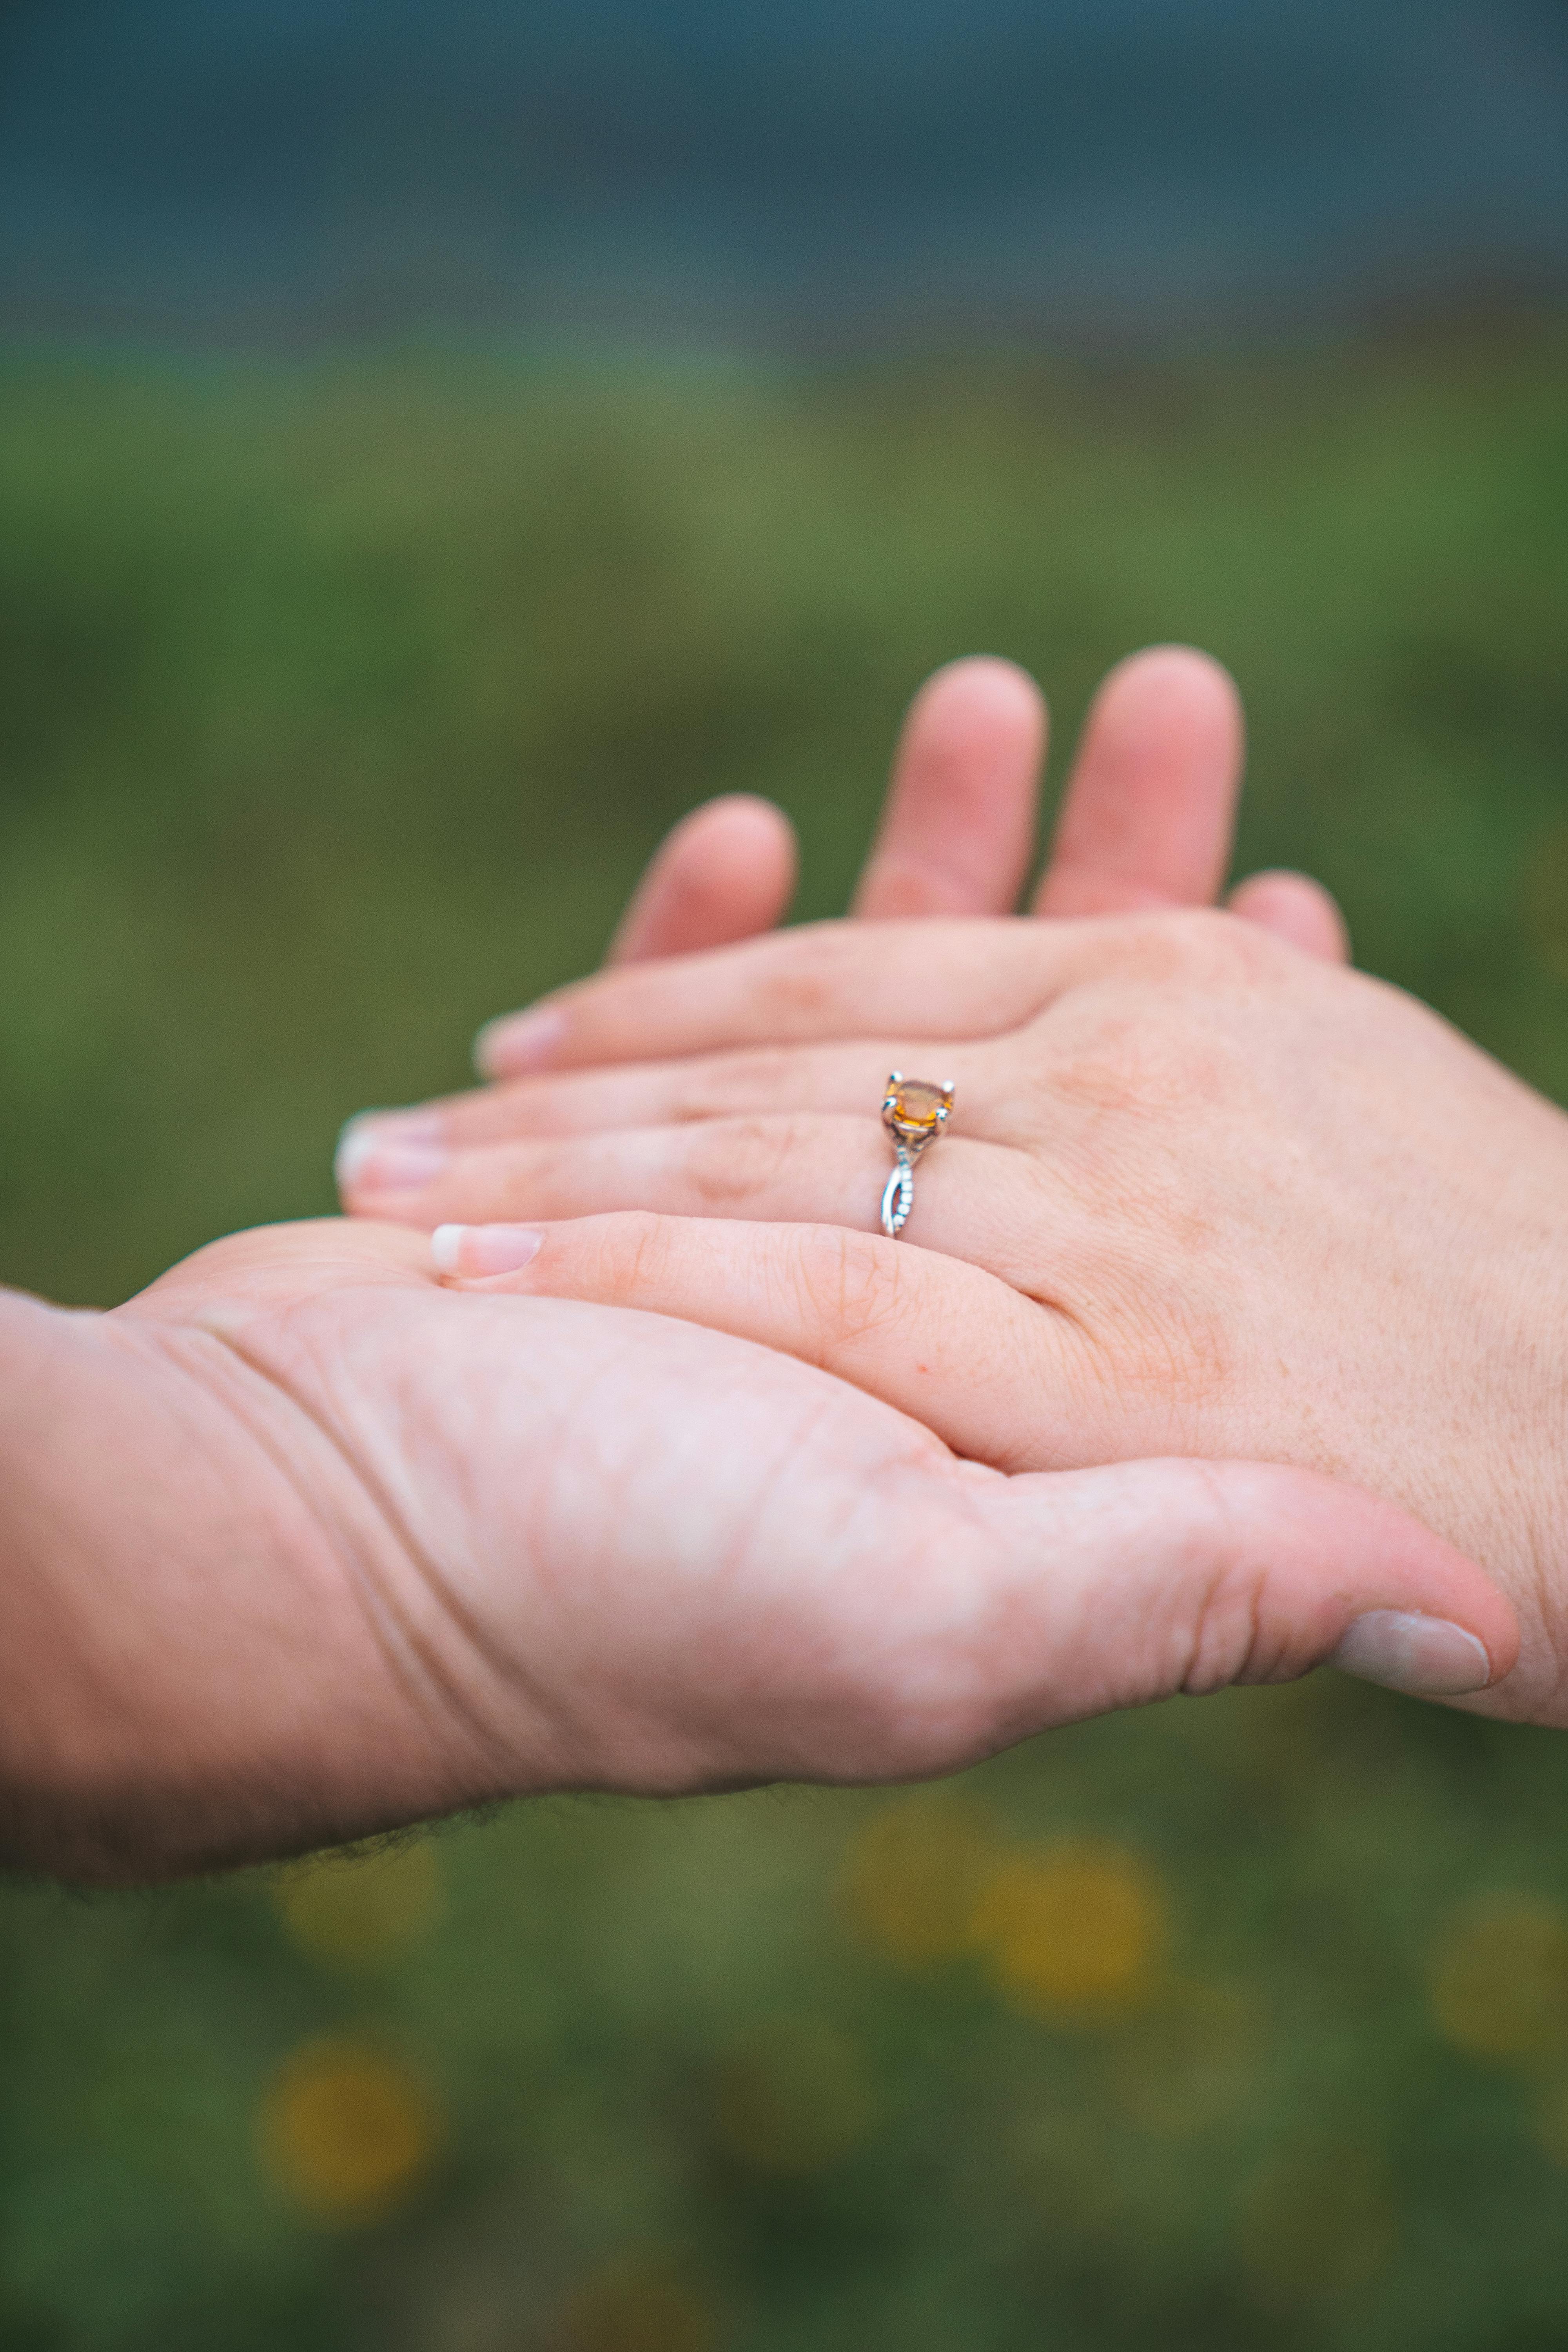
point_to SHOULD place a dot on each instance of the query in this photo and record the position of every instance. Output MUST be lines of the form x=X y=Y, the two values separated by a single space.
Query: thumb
x=1052 y=1596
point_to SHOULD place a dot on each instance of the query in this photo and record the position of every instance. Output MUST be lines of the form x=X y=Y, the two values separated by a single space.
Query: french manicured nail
x=370 y=1159
x=517 y=1042
x=474 y=1250
x=1406 y=1652
x=368 y=1130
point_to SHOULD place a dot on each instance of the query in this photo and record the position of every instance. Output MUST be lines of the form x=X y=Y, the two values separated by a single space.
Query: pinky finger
x=995 y=1375
x=724 y=872
x=1294 y=907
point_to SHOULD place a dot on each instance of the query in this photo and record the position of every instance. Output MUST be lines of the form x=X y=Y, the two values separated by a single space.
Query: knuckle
x=733 y=1160
x=1232 y=1641
x=629 y=1254
x=810 y=974
x=1134 y=1054
x=722 y=1089
x=1235 y=1634
x=922 y=1710
x=1195 y=947
x=1128 y=1062
x=1219 y=949
x=925 y=1650
x=1154 y=1358
x=850 y=1284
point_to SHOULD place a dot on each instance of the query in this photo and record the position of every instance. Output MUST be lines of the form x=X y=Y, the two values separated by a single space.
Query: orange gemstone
x=916 y=1107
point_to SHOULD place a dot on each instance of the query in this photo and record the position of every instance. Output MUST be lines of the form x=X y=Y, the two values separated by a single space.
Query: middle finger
x=848 y=1079
x=960 y=979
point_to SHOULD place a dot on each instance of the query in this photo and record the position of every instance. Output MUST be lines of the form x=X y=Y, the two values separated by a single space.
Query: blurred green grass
x=341 y=705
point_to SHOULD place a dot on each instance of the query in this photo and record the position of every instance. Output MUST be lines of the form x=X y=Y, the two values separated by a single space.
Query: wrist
x=186 y=1676
x=57 y=1712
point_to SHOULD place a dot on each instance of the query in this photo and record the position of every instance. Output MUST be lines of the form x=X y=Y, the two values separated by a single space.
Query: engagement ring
x=914 y=1113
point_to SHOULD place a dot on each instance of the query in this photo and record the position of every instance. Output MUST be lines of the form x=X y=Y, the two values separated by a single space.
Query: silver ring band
x=914 y=1112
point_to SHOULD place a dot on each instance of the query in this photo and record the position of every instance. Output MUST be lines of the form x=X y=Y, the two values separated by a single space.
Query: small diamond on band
x=914 y=1112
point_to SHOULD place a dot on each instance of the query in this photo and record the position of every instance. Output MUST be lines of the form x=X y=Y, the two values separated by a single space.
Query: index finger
x=819 y=982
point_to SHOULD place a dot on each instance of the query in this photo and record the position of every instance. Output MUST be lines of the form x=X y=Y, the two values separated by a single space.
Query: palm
x=533 y=1543
x=519 y=1475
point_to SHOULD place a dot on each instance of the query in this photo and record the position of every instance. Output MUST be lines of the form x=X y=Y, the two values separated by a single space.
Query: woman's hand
x=1146 y=822
x=300 y=1545
x=1201 y=1196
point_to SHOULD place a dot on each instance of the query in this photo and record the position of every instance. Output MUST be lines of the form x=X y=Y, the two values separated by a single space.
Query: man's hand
x=299 y=1545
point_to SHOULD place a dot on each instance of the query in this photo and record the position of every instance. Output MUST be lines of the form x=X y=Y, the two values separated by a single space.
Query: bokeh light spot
x=914 y=1875
x=352 y=1910
x=1074 y=1931
x=1500 y=1980
x=793 y=2097
x=346 y=2132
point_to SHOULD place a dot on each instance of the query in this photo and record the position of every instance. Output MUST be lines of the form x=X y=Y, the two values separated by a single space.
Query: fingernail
x=477 y=1250
x=368 y=1129
x=517 y=1042
x=369 y=1160
x=1427 y=1656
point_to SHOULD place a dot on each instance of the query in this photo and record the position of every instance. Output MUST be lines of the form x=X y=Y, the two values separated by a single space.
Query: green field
x=339 y=705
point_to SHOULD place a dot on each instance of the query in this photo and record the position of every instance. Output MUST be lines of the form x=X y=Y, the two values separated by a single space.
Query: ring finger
x=973 y=1198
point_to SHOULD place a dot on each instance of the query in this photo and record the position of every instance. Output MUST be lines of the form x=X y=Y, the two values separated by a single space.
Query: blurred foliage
x=339 y=707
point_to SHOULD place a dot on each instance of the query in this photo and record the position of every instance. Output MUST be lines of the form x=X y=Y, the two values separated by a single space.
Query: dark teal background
x=659 y=171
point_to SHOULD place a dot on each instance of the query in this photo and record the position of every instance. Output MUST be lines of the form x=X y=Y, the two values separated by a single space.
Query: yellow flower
x=351 y=1910
x=345 y=2131
x=1073 y=1931
x=1500 y=1983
